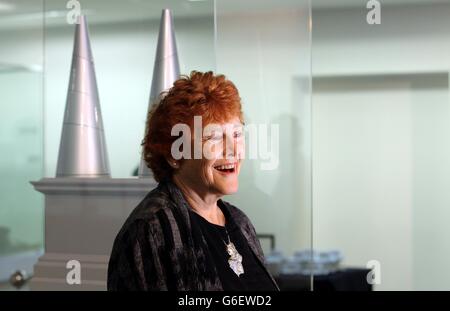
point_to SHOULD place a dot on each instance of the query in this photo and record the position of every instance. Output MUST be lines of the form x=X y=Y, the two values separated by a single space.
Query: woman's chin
x=228 y=188
x=226 y=183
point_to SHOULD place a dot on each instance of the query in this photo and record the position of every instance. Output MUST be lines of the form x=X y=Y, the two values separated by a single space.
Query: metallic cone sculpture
x=166 y=69
x=82 y=149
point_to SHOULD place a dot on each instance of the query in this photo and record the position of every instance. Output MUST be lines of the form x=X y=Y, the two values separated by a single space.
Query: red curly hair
x=211 y=96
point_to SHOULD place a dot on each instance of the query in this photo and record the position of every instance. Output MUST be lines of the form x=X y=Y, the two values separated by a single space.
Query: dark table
x=347 y=279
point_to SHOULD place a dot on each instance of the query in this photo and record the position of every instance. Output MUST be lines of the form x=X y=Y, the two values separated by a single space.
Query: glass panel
x=264 y=47
x=381 y=141
x=123 y=40
x=21 y=161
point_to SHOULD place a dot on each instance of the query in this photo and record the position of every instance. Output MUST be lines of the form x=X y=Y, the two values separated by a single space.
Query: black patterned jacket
x=160 y=247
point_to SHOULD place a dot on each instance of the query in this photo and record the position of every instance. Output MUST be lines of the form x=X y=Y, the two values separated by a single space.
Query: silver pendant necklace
x=235 y=260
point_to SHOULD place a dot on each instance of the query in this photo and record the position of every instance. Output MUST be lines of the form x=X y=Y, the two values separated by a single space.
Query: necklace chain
x=228 y=236
x=235 y=259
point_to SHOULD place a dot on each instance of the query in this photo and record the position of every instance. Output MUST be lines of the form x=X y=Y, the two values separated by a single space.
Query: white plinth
x=82 y=218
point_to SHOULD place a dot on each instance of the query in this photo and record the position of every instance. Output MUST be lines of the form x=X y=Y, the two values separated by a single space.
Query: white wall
x=381 y=141
x=409 y=39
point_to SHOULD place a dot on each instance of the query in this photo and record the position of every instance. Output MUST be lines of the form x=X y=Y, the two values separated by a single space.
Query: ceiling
x=29 y=13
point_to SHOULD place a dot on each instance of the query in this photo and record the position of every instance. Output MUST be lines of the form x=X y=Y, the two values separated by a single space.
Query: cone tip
x=166 y=11
x=82 y=19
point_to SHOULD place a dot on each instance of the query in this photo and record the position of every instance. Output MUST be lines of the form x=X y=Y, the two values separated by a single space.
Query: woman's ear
x=173 y=163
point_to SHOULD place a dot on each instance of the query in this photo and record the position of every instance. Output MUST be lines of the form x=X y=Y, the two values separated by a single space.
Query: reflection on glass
x=21 y=217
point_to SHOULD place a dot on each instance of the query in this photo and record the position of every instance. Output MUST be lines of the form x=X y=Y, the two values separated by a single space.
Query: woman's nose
x=230 y=147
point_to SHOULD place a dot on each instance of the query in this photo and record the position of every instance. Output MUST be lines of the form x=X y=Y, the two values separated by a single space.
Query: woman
x=182 y=236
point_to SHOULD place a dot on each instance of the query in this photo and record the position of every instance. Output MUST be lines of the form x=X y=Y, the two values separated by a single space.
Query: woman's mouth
x=226 y=168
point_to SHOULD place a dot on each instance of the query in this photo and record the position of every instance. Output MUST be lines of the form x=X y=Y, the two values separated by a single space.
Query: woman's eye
x=237 y=134
x=212 y=138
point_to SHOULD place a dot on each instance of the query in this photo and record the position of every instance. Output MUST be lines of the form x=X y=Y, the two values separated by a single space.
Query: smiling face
x=217 y=171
